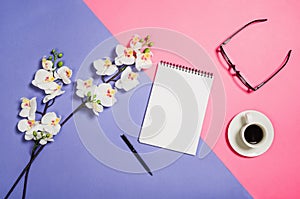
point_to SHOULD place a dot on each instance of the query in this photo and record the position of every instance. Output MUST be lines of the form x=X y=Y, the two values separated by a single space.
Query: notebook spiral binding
x=187 y=69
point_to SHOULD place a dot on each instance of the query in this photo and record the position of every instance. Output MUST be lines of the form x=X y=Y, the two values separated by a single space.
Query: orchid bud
x=89 y=94
x=60 y=63
x=147 y=50
x=150 y=44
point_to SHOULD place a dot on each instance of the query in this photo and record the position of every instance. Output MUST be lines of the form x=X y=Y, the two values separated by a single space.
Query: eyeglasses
x=237 y=72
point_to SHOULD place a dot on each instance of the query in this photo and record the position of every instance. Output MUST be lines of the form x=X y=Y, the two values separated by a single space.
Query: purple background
x=65 y=169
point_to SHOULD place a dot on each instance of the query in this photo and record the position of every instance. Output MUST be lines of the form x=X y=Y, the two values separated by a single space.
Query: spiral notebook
x=176 y=108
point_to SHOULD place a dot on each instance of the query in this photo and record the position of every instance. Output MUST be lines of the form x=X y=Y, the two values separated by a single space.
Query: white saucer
x=234 y=136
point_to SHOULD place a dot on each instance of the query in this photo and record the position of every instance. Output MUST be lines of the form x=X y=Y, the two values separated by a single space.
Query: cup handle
x=247 y=118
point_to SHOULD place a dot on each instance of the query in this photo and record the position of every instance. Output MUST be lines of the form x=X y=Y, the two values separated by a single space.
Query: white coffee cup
x=253 y=133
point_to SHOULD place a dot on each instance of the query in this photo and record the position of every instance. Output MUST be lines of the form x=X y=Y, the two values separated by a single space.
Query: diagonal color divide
x=209 y=23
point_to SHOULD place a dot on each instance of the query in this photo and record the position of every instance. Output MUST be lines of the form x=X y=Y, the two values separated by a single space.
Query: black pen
x=132 y=149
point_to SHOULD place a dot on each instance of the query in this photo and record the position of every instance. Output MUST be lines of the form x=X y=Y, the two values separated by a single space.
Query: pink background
x=257 y=52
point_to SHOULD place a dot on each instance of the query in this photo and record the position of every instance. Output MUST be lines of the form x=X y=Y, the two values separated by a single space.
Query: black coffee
x=253 y=134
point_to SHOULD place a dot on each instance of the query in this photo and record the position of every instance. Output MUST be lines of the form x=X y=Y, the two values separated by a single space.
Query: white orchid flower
x=136 y=42
x=42 y=136
x=28 y=108
x=25 y=125
x=124 y=55
x=45 y=137
x=65 y=73
x=95 y=106
x=94 y=101
x=105 y=67
x=101 y=95
x=50 y=123
x=53 y=91
x=128 y=80
x=33 y=129
x=47 y=64
x=43 y=79
x=34 y=133
x=41 y=131
x=84 y=86
x=143 y=60
x=106 y=94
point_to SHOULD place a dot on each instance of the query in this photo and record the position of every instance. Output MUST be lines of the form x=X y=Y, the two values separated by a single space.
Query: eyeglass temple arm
x=286 y=59
x=239 y=30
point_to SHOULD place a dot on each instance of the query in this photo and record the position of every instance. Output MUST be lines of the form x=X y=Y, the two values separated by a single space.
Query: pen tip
x=151 y=173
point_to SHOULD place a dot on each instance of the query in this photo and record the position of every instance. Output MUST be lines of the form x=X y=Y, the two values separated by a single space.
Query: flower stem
x=52 y=102
x=102 y=78
x=36 y=144
x=39 y=112
x=47 y=105
x=22 y=173
x=45 y=108
x=38 y=151
x=117 y=74
x=71 y=114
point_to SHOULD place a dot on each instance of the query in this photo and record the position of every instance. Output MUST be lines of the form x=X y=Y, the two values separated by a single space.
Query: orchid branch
x=47 y=105
x=42 y=131
x=96 y=97
x=36 y=151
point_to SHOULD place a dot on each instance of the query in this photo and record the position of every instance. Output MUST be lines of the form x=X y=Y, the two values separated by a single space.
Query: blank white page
x=176 y=108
